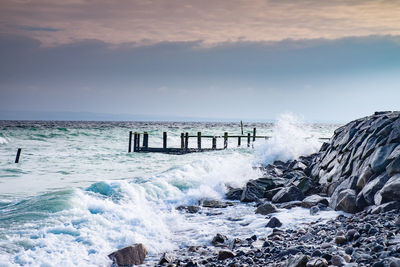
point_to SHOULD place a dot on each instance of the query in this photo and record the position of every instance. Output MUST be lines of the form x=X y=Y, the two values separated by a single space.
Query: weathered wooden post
x=145 y=140
x=254 y=134
x=135 y=136
x=225 y=140
x=138 y=142
x=18 y=154
x=239 y=140
x=248 y=140
x=130 y=142
x=164 y=140
x=214 y=143
x=182 y=140
x=241 y=126
x=186 y=140
x=199 y=140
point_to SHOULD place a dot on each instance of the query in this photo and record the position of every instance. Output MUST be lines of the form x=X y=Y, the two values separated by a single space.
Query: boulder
x=189 y=209
x=393 y=205
x=313 y=200
x=252 y=192
x=347 y=201
x=287 y=194
x=273 y=223
x=218 y=239
x=391 y=190
x=394 y=167
x=266 y=209
x=234 y=193
x=225 y=254
x=212 y=203
x=317 y=262
x=298 y=260
x=379 y=158
x=166 y=258
x=269 y=194
x=131 y=255
x=370 y=189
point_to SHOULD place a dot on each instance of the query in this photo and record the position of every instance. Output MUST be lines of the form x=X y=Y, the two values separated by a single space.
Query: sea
x=77 y=195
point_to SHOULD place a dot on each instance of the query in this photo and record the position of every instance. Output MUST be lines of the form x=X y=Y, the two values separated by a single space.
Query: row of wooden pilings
x=185 y=140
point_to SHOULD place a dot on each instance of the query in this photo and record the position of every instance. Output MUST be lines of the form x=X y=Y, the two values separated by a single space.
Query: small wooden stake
x=214 y=143
x=18 y=154
x=138 y=142
x=145 y=140
x=239 y=140
x=186 y=140
x=135 y=136
x=254 y=134
x=248 y=140
x=164 y=140
x=130 y=142
x=241 y=126
x=199 y=140
x=225 y=140
x=182 y=140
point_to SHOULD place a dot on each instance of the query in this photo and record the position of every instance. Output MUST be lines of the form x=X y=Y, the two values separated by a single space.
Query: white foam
x=290 y=139
x=3 y=141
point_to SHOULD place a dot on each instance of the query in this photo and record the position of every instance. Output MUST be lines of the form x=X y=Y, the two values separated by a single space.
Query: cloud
x=32 y=29
x=212 y=22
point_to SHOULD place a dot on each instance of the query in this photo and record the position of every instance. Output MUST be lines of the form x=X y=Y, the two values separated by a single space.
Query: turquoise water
x=77 y=195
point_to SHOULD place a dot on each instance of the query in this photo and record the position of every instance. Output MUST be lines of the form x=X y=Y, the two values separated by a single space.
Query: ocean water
x=77 y=195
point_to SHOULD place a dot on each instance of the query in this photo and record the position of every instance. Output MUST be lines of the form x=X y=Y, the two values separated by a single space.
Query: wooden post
x=138 y=142
x=241 y=126
x=182 y=140
x=225 y=140
x=254 y=134
x=248 y=140
x=130 y=142
x=239 y=140
x=199 y=140
x=165 y=140
x=214 y=143
x=135 y=142
x=18 y=154
x=145 y=140
x=186 y=140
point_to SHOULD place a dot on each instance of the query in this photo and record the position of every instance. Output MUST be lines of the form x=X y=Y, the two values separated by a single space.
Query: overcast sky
x=323 y=60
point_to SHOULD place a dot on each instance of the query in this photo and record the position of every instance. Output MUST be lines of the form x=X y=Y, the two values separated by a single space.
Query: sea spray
x=290 y=139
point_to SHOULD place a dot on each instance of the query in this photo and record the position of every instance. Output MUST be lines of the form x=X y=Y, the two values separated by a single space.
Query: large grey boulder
x=314 y=200
x=131 y=255
x=393 y=167
x=391 y=190
x=287 y=194
x=347 y=201
x=266 y=208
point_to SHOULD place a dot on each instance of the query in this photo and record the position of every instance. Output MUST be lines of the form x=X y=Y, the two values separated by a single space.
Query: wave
x=290 y=139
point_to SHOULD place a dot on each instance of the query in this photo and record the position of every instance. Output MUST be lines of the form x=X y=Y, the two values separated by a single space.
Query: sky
x=330 y=61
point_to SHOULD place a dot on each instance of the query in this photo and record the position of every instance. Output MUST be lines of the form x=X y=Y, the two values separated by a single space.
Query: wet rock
x=131 y=255
x=189 y=209
x=391 y=190
x=340 y=239
x=287 y=194
x=336 y=260
x=393 y=205
x=394 y=166
x=252 y=192
x=317 y=262
x=225 y=254
x=266 y=209
x=347 y=201
x=269 y=194
x=299 y=260
x=219 y=239
x=273 y=223
x=289 y=205
x=212 y=203
x=370 y=189
x=313 y=200
x=234 y=193
x=314 y=210
x=166 y=258
x=379 y=158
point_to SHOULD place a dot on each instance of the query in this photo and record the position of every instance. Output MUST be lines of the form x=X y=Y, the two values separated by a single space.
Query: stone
x=189 y=209
x=287 y=194
x=391 y=190
x=252 y=192
x=394 y=262
x=305 y=185
x=299 y=260
x=393 y=167
x=166 y=258
x=379 y=158
x=269 y=194
x=313 y=200
x=131 y=255
x=212 y=203
x=340 y=240
x=370 y=189
x=393 y=205
x=317 y=262
x=266 y=209
x=336 y=260
x=273 y=223
x=347 y=201
x=314 y=210
x=234 y=193
x=219 y=239
x=225 y=254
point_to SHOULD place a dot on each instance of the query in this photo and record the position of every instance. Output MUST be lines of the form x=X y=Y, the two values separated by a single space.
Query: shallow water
x=77 y=195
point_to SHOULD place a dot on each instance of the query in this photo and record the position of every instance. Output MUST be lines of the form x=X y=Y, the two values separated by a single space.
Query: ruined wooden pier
x=185 y=142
